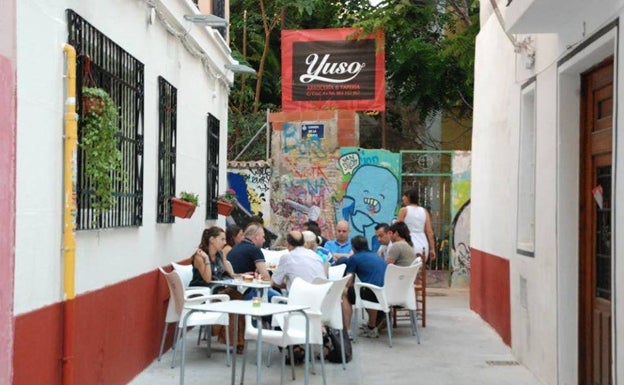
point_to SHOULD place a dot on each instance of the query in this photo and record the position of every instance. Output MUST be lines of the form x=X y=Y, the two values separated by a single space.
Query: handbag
x=332 y=345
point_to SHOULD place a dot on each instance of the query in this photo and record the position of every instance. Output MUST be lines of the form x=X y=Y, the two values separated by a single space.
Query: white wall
x=544 y=289
x=494 y=139
x=104 y=257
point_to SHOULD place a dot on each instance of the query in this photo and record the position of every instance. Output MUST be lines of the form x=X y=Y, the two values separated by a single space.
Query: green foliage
x=241 y=129
x=429 y=49
x=229 y=196
x=190 y=197
x=100 y=144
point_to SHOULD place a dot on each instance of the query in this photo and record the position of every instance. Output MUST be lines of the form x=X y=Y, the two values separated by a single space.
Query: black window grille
x=212 y=167
x=167 y=118
x=218 y=9
x=104 y=64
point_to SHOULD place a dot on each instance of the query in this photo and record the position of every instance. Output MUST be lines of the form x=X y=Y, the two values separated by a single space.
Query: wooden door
x=595 y=226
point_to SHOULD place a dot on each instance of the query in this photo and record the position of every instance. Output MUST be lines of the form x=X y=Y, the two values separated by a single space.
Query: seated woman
x=210 y=265
x=311 y=242
x=233 y=235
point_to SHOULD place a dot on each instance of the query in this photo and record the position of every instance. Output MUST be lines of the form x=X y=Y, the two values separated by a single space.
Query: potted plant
x=226 y=201
x=100 y=144
x=184 y=206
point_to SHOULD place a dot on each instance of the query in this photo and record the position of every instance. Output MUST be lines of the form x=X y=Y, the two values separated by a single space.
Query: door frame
x=591 y=52
x=588 y=163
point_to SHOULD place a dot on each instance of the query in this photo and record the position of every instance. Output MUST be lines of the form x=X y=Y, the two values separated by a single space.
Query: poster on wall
x=328 y=68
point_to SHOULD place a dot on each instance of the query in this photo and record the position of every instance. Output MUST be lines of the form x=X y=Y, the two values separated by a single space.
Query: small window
x=526 y=174
x=212 y=167
x=167 y=122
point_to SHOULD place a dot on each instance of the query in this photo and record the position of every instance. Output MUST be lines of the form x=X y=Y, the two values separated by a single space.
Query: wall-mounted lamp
x=207 y=20
x=240 y=69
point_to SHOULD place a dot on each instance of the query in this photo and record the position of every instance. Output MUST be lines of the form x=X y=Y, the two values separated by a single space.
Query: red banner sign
x=323 y=69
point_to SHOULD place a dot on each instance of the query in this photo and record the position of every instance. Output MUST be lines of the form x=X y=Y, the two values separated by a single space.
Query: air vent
x=502 y=363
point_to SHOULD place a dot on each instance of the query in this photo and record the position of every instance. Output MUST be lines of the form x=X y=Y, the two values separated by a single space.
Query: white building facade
x=169 y=79
x=546 y=233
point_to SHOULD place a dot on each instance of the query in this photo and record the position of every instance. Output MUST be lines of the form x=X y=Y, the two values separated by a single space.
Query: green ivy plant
x=100 y=144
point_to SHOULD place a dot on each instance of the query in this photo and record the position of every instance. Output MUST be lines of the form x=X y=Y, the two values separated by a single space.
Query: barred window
x=167 y=122
x=212 y=167
x=103 y=64
x=218 y=9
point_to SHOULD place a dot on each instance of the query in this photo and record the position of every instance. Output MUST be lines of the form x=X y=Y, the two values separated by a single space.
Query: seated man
x=340 y=247
x=299 y=262
x=381 y=232
x=369 y=268
x=247 y=257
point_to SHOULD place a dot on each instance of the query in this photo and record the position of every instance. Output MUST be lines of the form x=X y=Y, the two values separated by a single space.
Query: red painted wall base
x=489 y=291
x=118 y=332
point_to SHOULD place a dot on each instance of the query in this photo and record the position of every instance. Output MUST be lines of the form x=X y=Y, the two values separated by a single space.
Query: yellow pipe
x=69 y=216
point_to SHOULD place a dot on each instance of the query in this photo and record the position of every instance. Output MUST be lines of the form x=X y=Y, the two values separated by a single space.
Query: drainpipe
x=69 y=214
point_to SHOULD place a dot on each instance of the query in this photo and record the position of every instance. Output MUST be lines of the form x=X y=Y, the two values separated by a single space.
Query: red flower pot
x=224 y=208
x=92 y=105
x=182 y=209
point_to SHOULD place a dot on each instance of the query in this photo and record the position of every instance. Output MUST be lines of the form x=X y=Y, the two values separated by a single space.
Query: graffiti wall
x=252 y=182
x=369 y=189
x=305 y=175
x=460 y=210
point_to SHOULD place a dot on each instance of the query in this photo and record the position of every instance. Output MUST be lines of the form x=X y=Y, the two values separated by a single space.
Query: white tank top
x=415 y=219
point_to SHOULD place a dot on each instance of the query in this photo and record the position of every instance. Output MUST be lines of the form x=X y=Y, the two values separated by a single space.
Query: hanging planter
x=99 y=141
x=224 y=208
x=225 y=202
x=92 y=104
x=184 y=207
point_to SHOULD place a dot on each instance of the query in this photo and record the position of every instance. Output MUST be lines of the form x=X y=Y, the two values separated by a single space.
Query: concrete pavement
x=457 y=348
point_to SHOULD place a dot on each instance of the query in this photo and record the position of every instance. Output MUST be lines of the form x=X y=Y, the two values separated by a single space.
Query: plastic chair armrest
x=195 y=291
x=279 y=299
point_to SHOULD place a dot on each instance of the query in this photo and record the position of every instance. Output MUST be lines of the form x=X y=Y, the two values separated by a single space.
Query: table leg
x=307 y=348
x=259 y=351
x=183 y=346
x=233 y=347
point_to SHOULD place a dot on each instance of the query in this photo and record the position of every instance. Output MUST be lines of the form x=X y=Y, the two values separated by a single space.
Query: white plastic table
x=240 y=307
x=260 y=285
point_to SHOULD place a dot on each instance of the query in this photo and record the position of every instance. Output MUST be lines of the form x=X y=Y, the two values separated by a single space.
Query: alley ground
x=457 y=348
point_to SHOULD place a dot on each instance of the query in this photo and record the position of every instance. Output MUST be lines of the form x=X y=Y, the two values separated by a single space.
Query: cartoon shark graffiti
x=370 y=198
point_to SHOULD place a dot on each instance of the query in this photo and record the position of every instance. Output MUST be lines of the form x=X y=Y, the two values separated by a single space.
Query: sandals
x=240 y=349
x=299 y=354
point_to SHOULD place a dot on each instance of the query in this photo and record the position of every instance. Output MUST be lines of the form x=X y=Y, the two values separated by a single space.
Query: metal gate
x=430 y=172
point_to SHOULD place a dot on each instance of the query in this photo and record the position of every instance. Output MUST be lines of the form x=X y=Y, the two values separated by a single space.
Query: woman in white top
x=418 y=221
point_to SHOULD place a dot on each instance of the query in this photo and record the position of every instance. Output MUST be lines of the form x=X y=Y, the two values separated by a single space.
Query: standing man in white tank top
x=418 y=221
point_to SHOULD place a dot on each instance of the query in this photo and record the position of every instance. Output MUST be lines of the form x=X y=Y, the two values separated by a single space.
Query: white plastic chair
x=331 y=308
x=398 y=290
x=172 y=315
x=185 y=272
x=293 y=328
x=336 y=272
x=272 y=257
x=180 y=298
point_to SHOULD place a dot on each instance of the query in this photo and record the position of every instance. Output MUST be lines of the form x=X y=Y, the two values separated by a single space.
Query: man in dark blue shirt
x=369 y=268
x=246 y=256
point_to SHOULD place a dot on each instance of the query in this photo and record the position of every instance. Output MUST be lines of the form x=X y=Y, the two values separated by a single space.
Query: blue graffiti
x=370 y=198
